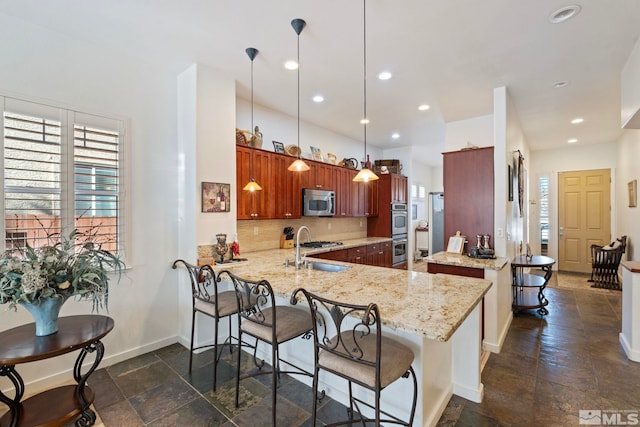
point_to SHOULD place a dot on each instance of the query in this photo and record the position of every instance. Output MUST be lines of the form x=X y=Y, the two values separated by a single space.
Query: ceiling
x=447 y=54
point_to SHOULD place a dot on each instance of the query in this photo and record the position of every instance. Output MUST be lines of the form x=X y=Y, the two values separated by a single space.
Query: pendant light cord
x=364 y=26
x=299 y=151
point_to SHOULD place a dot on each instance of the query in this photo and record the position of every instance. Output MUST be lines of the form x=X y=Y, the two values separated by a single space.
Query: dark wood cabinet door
x=371 y=199
x=357 y=197
x=252 y=205
x=287 y=194
x=320 y=175
x=468 y=193
x=343 y=192
x=399 y=188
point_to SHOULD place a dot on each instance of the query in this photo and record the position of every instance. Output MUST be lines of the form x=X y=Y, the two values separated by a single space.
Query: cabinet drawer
x=357 y=251
x=374 y=248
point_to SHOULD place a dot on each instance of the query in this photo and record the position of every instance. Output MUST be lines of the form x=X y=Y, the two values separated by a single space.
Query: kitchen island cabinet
x=497 y=312
x=438 y=316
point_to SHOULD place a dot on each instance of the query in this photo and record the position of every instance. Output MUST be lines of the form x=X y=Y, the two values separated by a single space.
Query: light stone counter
x=430 y=305
x=447 y=258
x=437 y=315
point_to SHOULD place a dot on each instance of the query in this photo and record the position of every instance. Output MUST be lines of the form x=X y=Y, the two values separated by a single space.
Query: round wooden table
x=528 y=289
x=62 y=404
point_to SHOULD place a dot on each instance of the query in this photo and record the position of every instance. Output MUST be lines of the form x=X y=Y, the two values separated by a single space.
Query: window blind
x=61 y=174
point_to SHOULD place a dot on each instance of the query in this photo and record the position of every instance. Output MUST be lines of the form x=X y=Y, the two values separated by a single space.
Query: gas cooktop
x=320 y=244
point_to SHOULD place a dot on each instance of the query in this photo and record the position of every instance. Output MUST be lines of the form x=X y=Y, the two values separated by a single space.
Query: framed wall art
x=632 y=187
x=216 y=197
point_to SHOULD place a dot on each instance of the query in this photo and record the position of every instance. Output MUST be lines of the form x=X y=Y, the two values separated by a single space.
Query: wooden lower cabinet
x=376 y=254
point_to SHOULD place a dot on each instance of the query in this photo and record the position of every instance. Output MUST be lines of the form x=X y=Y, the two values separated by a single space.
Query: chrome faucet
x=299 y=261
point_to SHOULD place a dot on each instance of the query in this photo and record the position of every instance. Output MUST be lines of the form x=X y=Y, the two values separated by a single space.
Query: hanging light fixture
x=299 y=165
x=365 y=174
x=252 y=185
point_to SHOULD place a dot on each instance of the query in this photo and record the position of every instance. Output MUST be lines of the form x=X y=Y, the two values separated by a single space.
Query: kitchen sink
x=322 y=266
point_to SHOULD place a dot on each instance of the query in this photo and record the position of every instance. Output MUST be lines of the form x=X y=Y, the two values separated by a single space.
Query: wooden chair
x=205 y=299
x=261 y=318
x=349 y=343
x=605 y=261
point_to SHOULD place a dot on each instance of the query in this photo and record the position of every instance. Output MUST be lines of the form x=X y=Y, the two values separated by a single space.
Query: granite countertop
x=448 y=258
x=430 y=305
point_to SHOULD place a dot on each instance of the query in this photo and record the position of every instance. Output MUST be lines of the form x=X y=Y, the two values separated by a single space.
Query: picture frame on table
x=278 y=147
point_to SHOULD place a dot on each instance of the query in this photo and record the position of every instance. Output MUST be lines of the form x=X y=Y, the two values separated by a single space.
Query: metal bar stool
x=357 y=351
x=208 y=301
x=260 y=318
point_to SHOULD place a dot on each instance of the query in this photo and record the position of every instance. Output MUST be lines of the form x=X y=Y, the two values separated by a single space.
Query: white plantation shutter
x=62 y=170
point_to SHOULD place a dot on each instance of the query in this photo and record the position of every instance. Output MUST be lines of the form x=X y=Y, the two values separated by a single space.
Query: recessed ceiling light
x=564 y=14
x=385 y=75
x=291 y=65
x=364 y=121
x=560 y=84
x=318 y=98
x=424 y=107
x=395 y=135
x=572 y=141
x=577 y=120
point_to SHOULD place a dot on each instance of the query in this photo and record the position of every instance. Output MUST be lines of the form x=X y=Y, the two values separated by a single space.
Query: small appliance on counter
x=286 y=240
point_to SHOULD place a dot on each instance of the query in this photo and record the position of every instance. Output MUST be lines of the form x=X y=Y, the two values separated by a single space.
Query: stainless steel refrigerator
x=436 y=223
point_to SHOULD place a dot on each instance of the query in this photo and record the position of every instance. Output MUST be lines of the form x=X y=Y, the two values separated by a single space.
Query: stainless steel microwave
x=318 y=202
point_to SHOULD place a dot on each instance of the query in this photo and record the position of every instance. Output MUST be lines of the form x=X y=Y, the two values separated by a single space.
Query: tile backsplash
x=258 y=235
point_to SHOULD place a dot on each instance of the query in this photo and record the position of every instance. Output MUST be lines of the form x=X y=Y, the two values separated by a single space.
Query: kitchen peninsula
x=438 y=316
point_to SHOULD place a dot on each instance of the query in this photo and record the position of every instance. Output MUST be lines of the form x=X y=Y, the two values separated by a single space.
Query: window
x=62 y=171
x=543 y=191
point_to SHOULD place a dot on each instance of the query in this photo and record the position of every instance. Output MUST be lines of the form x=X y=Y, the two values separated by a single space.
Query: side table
x=528 y=289
x=62 y=404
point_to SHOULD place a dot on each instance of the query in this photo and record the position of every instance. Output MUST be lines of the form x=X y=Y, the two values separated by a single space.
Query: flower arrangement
x=73 y=265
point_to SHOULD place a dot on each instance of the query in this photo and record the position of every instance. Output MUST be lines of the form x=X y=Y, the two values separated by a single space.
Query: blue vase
x=45 y=313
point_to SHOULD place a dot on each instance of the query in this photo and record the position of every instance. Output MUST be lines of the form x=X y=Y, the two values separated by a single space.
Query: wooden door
x=253 y=205
x=584 y=216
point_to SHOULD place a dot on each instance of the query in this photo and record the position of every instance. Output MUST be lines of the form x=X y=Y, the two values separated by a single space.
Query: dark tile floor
x=549 y=369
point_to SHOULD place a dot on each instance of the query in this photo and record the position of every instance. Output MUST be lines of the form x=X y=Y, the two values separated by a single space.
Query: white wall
x=67 y=71
x=571 y=158
x=477 y=131
x=276 y=126
x=628 y=219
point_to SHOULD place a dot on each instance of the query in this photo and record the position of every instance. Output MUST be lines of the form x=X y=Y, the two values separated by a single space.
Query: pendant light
x=299 y=165
x=252 y=185
x=365 y=174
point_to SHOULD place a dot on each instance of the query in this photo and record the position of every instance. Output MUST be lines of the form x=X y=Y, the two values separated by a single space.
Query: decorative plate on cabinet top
x=292 y=150
x=331 y=158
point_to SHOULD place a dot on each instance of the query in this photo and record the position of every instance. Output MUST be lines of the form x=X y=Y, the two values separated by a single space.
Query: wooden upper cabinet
x=252 y=205
x=399 y=188
x=320 y=176
x=281 y=195
x=371 y=199
x=286 y=197
x=469 y=193
x=344 y=180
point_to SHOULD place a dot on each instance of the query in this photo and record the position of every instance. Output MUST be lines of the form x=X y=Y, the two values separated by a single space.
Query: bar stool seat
x=349 y=343
x=395 y=359
x=274 y=324
x=207 y=300
x=292 y=322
